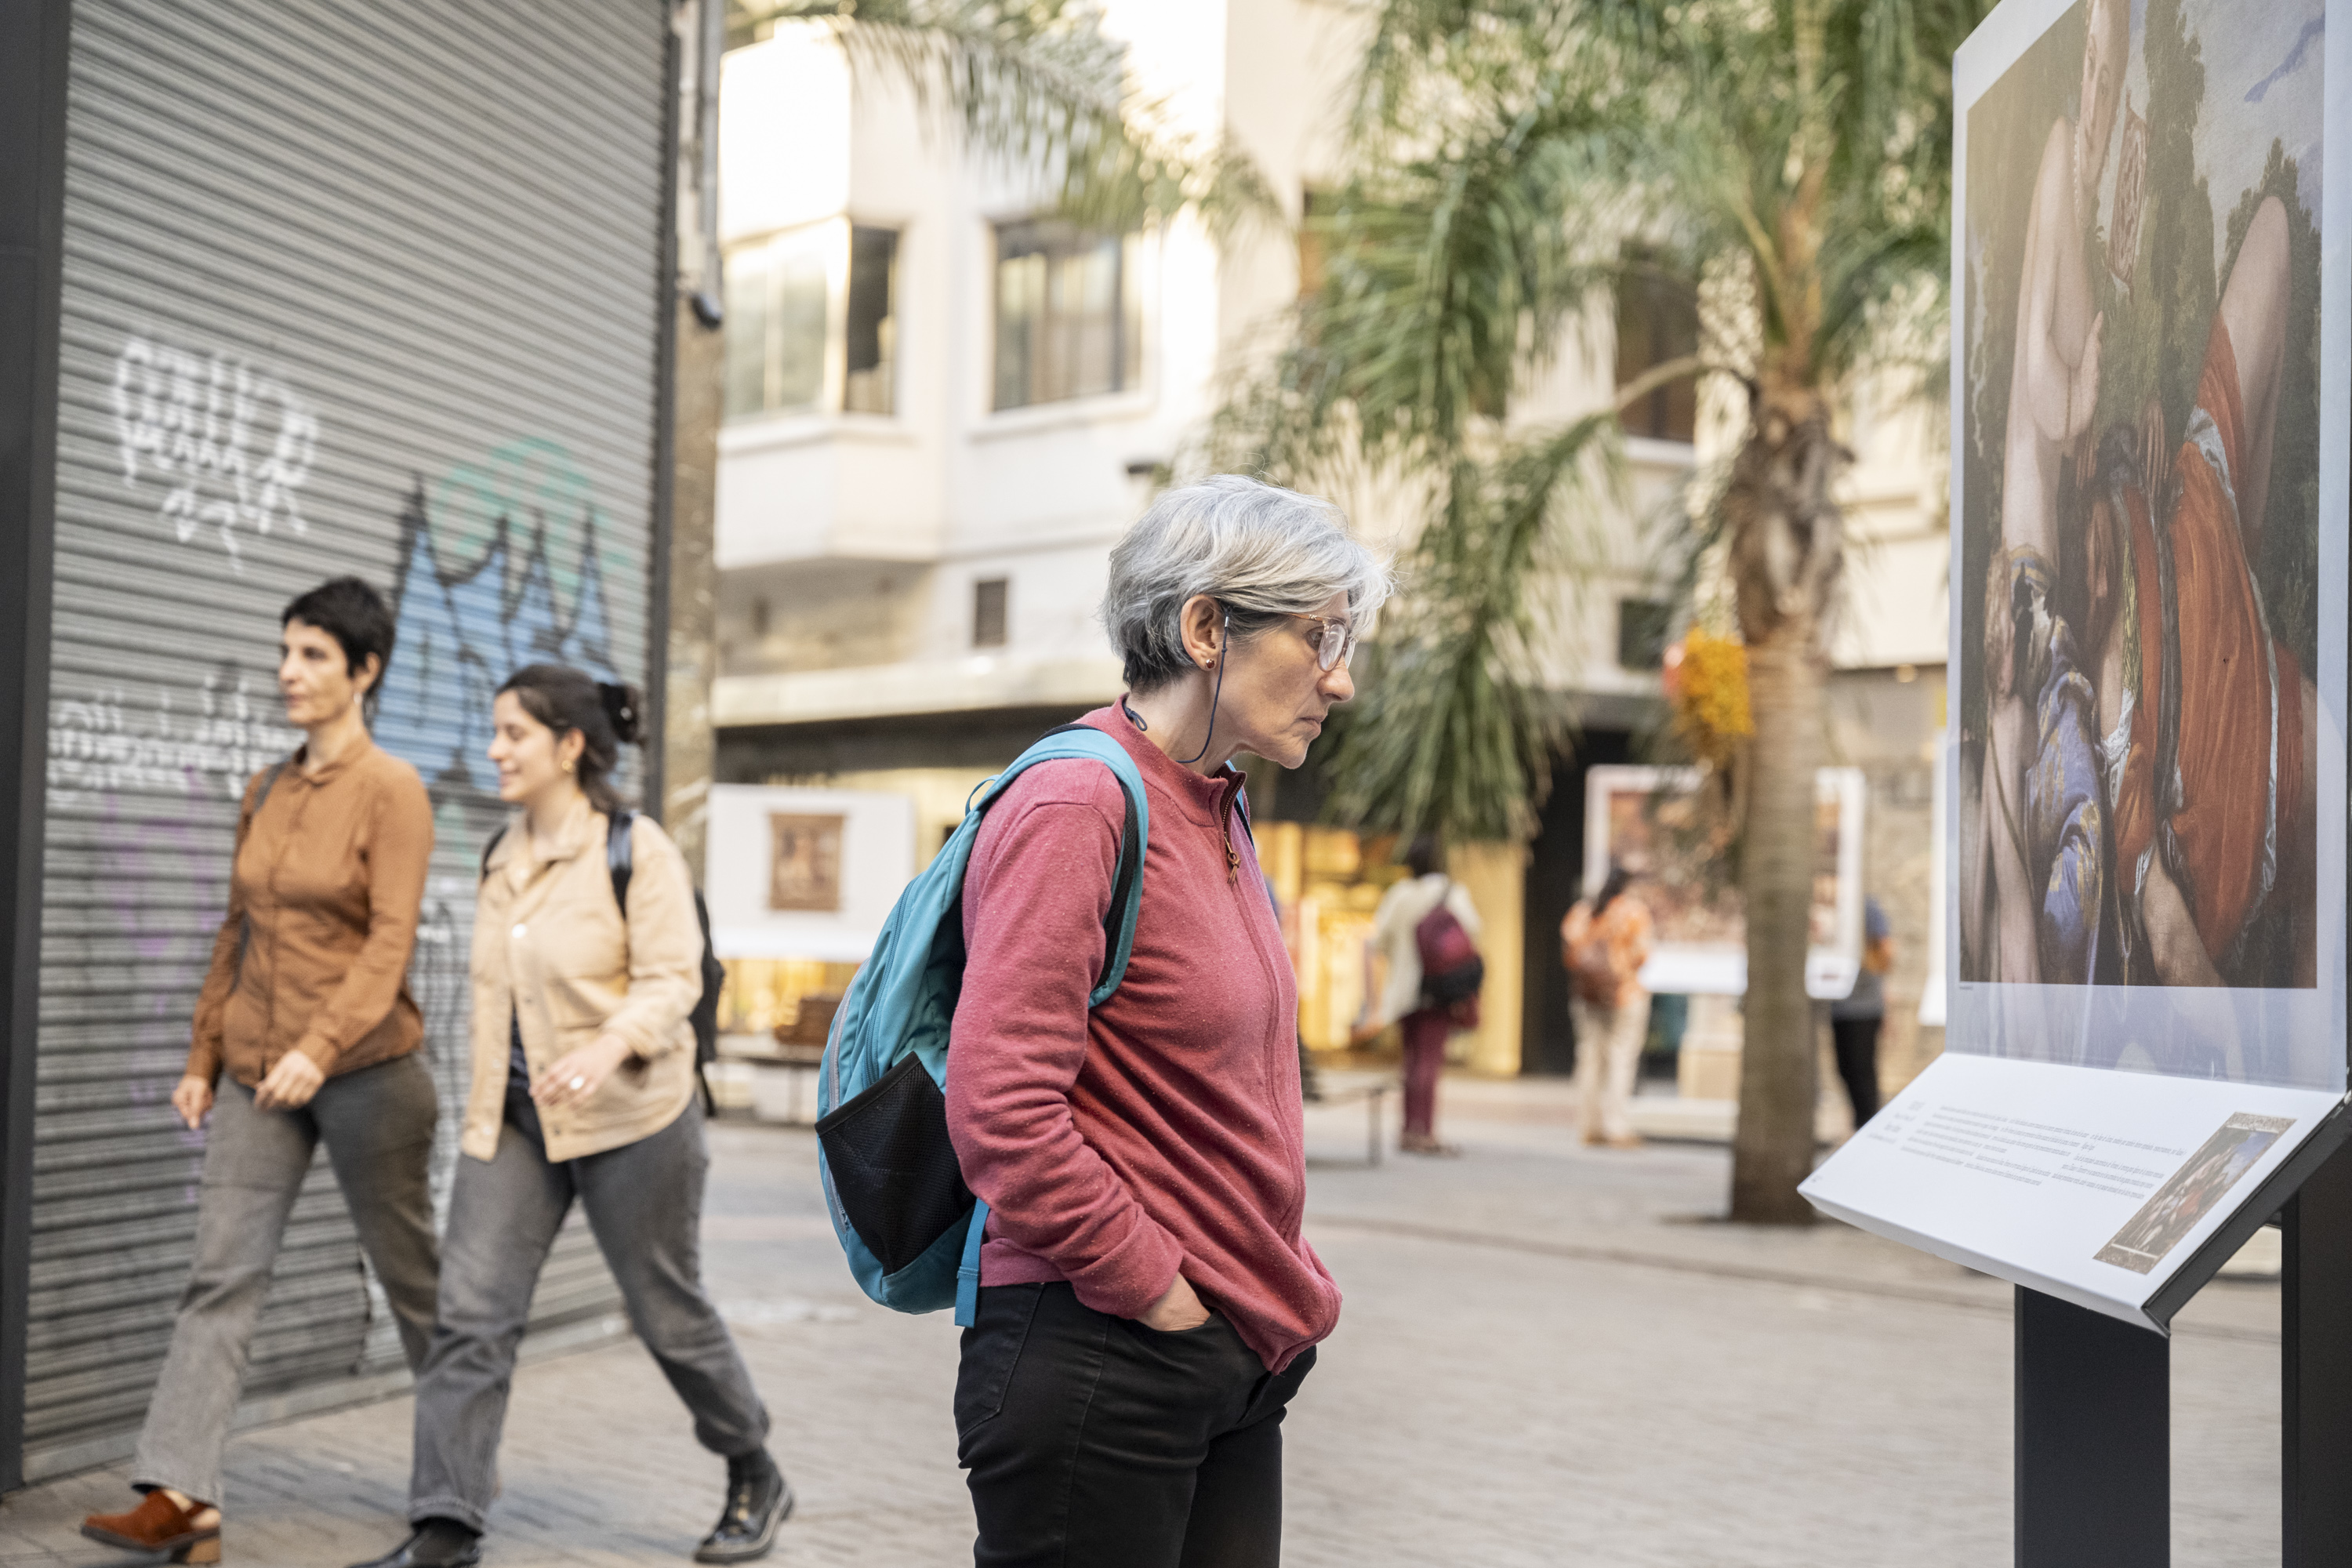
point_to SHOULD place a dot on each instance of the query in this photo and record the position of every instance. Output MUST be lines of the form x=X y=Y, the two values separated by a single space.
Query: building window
x=1070 y=321
x=809 y=322
x=1642 y=627
x=1657 y=322
x=872 y=328
x=776 y=311
x=988 y=596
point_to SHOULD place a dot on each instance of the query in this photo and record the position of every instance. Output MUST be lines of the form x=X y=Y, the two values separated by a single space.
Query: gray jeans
x=377 y=1125
x=643 y=1201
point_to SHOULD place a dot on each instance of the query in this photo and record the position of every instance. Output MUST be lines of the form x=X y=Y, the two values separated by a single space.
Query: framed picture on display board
x=1659 y=824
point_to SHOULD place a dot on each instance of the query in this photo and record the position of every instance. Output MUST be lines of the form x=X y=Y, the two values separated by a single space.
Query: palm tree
x=1037 y=84
x=1797 y=155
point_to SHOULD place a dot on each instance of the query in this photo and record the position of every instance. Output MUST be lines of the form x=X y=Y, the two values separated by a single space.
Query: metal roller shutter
x=349 y=287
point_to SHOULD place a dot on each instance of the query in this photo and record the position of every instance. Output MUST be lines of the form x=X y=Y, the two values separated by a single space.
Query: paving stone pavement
x=1548 y=1356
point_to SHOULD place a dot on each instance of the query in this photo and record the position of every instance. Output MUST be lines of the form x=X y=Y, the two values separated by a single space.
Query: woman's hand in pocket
x=1180 y=1307
x=577 y=1075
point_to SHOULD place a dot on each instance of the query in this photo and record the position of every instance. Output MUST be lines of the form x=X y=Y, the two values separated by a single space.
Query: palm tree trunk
x=1787 y=553
x=1773 y=1150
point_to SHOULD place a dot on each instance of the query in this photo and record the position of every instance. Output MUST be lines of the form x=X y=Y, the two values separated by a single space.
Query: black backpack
x=619 y=848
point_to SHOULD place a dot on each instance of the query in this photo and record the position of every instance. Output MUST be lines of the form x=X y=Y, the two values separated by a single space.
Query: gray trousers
x=377 y=1125
x=643 y=1201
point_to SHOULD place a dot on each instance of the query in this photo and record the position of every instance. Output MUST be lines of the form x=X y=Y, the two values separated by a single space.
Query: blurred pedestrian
x=1406 y=1001
x=1856 y=1017
x=1605 y=943
x=305 y=1011
x=1147 y=1306
x=584 y=1089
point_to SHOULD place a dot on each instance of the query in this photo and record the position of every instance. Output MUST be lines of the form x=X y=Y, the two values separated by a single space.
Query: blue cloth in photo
x=2064 y=829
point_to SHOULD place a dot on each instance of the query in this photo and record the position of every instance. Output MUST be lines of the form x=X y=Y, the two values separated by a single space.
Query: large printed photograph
x=2141 y=600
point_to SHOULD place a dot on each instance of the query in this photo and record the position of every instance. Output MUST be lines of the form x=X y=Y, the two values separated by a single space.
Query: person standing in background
x=1404 y=1002
x=1605 y=943
x=304 y=1034
x=1855 y=1019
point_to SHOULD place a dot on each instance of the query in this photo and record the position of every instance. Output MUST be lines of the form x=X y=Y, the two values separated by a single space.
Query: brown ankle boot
x=158 y=1524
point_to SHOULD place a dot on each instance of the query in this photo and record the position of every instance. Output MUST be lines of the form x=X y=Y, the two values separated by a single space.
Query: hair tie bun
x=620 y=707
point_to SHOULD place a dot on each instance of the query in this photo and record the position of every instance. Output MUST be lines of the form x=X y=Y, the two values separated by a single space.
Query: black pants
x=1857 y=1040
x=1094 y=1442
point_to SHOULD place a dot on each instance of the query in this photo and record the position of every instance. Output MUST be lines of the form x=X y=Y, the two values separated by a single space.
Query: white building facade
x=944 y=405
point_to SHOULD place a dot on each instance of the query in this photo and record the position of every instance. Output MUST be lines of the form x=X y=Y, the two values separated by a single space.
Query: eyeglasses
x=1335 y=638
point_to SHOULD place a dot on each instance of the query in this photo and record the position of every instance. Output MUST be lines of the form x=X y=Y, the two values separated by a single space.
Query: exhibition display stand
x=2094 y=1455
x=2144 y=861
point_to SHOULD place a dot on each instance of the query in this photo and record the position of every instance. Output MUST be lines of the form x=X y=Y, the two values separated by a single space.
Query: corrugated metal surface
x=349 y=287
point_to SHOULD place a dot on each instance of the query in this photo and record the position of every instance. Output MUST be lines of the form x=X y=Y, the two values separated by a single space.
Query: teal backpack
x=910 y=1225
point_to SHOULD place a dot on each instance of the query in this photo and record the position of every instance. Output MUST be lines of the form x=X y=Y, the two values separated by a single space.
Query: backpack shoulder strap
x=620 y=849
x=489 y=847
x=1085 y=742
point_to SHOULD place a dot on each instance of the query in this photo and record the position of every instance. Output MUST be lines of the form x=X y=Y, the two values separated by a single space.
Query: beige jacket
x=553 y=952
x=1396 y=936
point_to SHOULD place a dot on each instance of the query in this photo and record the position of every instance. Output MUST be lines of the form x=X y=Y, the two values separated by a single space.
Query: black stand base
x=2094 y=1439
x=2094 y=1419
x=2316 y=1324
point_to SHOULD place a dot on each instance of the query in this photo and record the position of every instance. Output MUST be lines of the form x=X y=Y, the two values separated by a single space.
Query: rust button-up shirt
x=322 y=908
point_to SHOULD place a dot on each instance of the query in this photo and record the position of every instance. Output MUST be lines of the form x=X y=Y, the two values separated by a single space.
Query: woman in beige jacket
x=583 y=1088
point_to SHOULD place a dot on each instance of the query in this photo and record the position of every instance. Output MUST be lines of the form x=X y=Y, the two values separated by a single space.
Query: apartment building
x=943 y=405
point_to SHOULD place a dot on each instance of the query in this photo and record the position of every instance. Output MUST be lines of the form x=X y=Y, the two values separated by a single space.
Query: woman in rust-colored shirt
x=304 y=1034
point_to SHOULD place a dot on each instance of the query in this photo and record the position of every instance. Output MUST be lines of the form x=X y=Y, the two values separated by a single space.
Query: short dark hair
x=1425 y=854
x=351 y=611
x=608 y=714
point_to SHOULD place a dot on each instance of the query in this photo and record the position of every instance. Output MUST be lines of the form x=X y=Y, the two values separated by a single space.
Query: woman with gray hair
x=1147 y=1305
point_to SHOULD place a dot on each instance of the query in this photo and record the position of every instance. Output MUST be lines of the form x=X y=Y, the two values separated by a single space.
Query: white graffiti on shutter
x=232 y=444
x=109 y=743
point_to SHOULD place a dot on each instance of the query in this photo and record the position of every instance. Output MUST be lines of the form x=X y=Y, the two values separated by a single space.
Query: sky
x=2263 y=68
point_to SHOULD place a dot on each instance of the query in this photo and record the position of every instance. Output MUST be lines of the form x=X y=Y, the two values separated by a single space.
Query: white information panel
x=804 y=873
x=2143 y=803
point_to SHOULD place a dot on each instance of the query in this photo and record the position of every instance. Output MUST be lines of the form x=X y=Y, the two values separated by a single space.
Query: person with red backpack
x=1427 y=930
x=1605 y=943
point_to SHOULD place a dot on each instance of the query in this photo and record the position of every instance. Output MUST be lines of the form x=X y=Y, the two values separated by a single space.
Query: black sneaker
x=759 y=1499
x=436 y=1543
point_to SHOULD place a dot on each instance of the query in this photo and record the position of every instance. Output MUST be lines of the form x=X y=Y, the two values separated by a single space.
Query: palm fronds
x=1503 y=152
x=1038 y=86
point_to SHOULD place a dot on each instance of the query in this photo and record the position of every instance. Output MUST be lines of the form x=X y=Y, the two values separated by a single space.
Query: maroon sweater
x=1161 y=1132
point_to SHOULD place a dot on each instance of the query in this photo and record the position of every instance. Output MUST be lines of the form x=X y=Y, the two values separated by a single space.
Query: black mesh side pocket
x=893 y=1167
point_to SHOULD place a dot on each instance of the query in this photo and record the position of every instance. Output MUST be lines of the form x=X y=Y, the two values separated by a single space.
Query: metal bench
x=1371 y=1094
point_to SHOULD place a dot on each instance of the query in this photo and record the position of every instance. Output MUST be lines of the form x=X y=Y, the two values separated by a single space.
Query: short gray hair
x=1260 y=551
